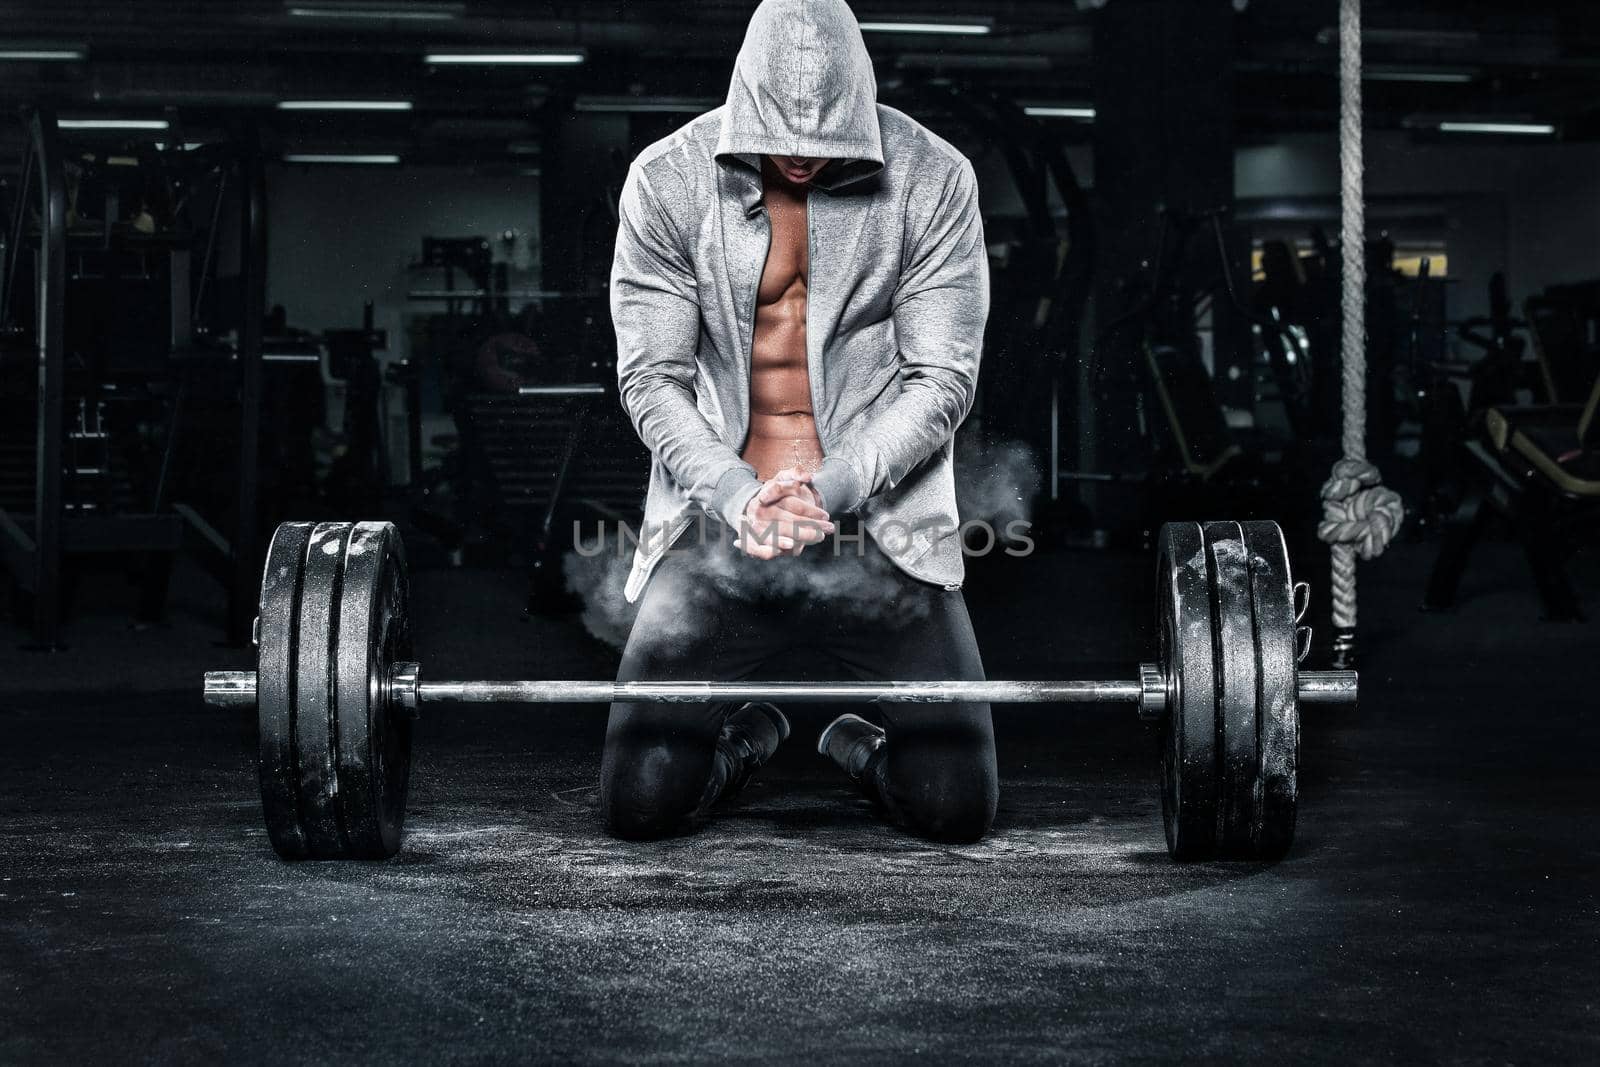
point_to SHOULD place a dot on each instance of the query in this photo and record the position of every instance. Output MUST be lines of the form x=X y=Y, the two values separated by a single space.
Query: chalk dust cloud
x=995 y=483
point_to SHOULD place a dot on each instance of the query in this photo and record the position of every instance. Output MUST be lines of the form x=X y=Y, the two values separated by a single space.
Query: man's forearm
x=673 y=429
x=921 y=420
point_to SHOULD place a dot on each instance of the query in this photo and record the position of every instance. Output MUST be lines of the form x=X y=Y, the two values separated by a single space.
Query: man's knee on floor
x=651 y=795
x=631 y=824
x=955 y=805
x=956 y=816
x=635 y=816
x=942 y=784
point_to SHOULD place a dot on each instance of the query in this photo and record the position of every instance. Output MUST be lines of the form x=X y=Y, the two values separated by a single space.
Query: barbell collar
x=403 y=690
x=1328 y=687
x=1153 y=695
x=231 y=689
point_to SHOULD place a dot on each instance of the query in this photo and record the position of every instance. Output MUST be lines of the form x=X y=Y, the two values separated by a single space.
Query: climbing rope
x=1359 y=515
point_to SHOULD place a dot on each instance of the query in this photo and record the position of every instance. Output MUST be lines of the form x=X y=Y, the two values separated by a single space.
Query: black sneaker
x=748 y=740
x=851 y=742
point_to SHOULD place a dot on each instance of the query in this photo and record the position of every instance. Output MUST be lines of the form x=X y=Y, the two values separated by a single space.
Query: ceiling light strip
x=344 y=105
x=114 y=124
x=960 y=29
x=384 y=14
x=504 y=58
x=353 y=158
x=1531 y=128
x=1052 y=111
x=42 y=55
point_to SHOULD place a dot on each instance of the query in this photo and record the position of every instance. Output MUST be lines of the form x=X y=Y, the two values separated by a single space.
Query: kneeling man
x=799 y=294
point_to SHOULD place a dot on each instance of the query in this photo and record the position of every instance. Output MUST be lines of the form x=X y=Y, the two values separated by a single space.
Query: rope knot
x=1358 y=510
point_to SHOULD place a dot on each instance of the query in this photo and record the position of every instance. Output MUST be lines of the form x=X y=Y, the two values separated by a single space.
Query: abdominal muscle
x=783 y=429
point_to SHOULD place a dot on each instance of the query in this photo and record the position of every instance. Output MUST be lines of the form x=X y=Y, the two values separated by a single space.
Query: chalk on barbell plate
x=1230 y=741
x=276 y=642
x=335 y=761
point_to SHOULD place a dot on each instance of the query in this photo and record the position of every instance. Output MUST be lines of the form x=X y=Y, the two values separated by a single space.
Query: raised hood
x=803 y=86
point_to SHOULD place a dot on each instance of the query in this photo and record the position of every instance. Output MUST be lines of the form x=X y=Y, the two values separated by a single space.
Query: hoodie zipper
x=811 y=274
x=750 y=327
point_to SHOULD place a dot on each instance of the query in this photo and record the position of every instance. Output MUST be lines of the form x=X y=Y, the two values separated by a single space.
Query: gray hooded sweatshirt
x=897 y=296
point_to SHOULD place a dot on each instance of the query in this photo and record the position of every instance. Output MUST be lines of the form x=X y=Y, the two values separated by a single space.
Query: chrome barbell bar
x=407 y=690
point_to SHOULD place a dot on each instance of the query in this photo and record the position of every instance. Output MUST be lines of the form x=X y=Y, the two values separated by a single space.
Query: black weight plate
x=316 y=731
x=374 y=750
x=279 y=609
x=1234 y=651
x=393 y=745
x=1189 y=743
x=1278 y=737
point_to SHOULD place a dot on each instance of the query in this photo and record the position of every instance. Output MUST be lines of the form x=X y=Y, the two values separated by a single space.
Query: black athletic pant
x=840 y=609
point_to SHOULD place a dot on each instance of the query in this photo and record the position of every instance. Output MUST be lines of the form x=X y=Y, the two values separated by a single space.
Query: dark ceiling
x=204 y=64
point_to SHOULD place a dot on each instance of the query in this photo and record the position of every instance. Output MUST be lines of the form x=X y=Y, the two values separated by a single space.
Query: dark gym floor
x=1440 y=904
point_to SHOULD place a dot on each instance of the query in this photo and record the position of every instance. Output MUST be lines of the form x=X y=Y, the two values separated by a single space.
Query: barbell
x=336 y=692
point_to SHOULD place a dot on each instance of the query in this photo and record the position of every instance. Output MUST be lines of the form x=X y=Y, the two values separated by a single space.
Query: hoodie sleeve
x=656 y=312
x=940 y=307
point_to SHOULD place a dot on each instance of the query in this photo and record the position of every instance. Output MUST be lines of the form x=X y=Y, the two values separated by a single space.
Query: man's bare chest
x=787 y=263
